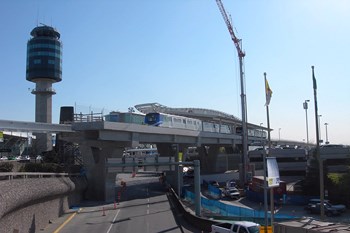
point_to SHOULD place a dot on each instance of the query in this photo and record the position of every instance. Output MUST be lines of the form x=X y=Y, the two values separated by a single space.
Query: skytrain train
x=181 y=122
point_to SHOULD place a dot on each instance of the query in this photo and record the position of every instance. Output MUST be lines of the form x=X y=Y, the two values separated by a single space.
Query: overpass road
x=144 y=207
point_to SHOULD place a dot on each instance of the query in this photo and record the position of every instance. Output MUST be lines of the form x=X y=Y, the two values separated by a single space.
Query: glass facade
x=44 y=55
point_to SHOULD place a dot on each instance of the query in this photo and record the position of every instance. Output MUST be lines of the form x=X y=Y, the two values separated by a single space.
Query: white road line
x=115 y=217
x=148 y=206
x=147 y=201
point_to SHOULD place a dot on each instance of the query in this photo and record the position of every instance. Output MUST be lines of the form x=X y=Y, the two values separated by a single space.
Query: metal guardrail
x=25 y=175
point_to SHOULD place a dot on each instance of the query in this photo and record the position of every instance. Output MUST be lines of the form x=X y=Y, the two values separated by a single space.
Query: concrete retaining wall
x=27 y=205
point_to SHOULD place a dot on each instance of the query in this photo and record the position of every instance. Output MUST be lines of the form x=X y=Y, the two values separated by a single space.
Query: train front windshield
x=152 y=118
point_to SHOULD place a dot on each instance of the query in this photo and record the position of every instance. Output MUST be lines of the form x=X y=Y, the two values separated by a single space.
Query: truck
x=237 y=227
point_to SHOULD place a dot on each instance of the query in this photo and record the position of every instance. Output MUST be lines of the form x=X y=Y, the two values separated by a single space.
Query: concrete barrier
x=27 y=205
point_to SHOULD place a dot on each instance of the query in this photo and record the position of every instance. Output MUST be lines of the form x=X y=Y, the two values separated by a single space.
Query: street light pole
x=319 y=127
x=307 y=127
x=327 y=142
x=279 y=134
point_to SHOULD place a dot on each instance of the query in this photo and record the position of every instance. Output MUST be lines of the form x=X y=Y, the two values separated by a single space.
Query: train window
x=177 y=120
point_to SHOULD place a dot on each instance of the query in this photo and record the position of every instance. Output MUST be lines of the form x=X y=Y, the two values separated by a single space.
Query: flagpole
x=272 y=208
x=264 y=158
x=320 y=162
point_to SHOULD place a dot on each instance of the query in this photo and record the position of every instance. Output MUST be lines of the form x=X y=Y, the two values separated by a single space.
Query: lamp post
x=305 y=105
x=279 y=134
x=319 y=127
x=261 y=129
x=327 y=142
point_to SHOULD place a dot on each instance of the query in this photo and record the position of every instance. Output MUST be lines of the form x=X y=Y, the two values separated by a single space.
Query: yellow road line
x=67 y=221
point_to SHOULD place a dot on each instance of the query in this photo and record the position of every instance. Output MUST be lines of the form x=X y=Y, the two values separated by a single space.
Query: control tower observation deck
x=44 y=67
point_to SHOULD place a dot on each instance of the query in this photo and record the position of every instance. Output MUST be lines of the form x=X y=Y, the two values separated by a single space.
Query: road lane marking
x=115 y=217
x=147 y=201
x=67 y=221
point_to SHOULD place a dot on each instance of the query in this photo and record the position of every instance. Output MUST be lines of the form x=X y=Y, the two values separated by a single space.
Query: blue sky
x=117 y=54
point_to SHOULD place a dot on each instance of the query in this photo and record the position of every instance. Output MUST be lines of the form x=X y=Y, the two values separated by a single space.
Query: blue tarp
x=217 y=207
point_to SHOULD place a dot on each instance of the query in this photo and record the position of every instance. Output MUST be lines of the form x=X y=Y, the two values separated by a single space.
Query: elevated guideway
x=23 y=126
x=335 y=153
x=292 y=161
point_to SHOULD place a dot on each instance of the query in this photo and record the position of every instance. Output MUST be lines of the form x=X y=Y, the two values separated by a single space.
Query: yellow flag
x=268 y=92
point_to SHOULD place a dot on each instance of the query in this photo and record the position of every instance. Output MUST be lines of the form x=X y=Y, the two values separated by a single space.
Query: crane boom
x=241 y=55
x=235 y=40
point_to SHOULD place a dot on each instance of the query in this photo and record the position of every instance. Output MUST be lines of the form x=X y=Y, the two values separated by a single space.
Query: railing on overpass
x=89 y=117
x=25 y=175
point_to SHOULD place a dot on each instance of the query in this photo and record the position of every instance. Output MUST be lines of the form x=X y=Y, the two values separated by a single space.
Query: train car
x=125 y=117
x=252 y=132
x=181 y=122
x=172 y=121
x=210 y=127
x=216 y=128
x=225 y=129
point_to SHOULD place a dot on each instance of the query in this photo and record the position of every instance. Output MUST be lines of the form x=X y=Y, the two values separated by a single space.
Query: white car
x=23 y=158
x=232 y=193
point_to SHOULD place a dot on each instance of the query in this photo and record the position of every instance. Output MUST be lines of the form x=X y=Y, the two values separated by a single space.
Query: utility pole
x=318 y=156
x=305 y=105
x=241 y=55
x=327 y=142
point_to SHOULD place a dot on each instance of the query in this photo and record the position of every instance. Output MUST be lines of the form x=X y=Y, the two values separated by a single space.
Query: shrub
x=42 y=167
x=6 y=167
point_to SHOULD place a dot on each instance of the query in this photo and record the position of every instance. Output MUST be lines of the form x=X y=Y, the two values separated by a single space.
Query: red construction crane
x=235 y=40
x=241 y=55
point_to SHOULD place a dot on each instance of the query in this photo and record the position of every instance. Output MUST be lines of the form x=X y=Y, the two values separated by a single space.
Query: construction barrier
x=262 y=229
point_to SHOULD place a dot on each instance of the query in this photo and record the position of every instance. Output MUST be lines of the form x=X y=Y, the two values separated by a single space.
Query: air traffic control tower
x=44 y=67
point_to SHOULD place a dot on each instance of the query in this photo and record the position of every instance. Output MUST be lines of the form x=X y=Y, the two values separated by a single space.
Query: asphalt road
x=144 y=207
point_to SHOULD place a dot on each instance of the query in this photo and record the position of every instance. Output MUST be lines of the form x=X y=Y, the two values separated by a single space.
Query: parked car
x=23 y=158
x=214 y=183
x=232 y=193
x=329 y=211
x=340 y=208
x=231 y=184
x=237 y=227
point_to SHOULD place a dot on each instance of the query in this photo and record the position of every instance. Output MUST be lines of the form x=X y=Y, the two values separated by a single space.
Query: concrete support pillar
x=43 y=142
x=165 y=149
x=208 y=157
x=197 y=187
x=203 y=154
x=179 y=168
x=101 y=183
